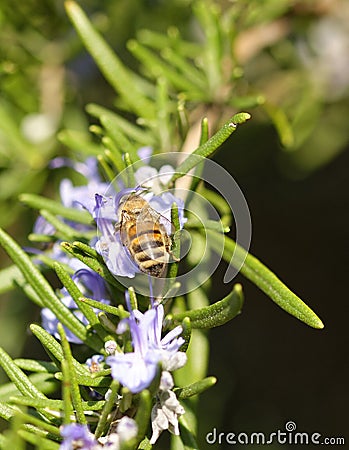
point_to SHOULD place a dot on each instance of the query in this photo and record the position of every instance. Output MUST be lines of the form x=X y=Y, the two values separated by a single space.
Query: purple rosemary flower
x=80 y=196
x=77 y=436
x=167 y=347
x=136 y=370
x=145 y=153
x=91 y=285
x=105 y=213
x=74 y=197
x=87 y=168
x=41 y=226
x=109 y=244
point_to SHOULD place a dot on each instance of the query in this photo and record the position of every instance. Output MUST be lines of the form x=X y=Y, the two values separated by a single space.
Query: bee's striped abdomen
x=144 y=236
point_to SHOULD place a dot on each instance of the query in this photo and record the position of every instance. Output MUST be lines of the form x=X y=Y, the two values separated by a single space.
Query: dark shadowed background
x=271 y=368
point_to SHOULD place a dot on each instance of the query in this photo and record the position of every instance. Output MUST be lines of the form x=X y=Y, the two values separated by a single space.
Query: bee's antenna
x=140 y=187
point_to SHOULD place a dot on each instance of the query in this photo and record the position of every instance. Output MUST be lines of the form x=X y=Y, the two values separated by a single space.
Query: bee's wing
x=149 y=214
x=167 y=224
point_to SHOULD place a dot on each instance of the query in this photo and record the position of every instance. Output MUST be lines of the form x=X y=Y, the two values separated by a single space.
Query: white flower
x=110 y=347
x=166 y=381
x=167 y=409
x=126 y=430
x=153 y=179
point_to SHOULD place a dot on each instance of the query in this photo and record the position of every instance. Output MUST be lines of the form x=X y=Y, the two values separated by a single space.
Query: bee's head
x=132 y=205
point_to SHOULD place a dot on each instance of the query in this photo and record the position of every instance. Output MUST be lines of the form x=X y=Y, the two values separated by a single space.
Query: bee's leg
x=175 y=259
x=172 y=258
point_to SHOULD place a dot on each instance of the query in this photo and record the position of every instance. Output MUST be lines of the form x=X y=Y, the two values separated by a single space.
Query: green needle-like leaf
x=268 y=282
x=6 y=411
x=18 y=377
x=38 y=439
x=118 y=137
x=131 y=180
x=33 y=365
x=94 y=262
x=133 y=132
x=108 y=406
x=172 y=40
x=126 y=399
x=38 y=202
x=71 y=377
x=30 y=293
x=220 y=204
x=176 y=250
x=79 y=142
x=159 y=68
x=63 y=231
x=116 y=311
x=55 y=405
x=121 y=78
x=216 y=314
x=44 y=382
x=182 y=119
x=107 y=170
x=208 y=148
x=10 y=277
x=68 y=410
x=281 y=124
x=204 y=135
x=87 y=311
x=133 y=298
x=143 y=414
x=88 y=380
x=114 y=155
x=196 y=388
x=44 y=238
x=164 y=125
x=186 y=67
x=41 y=286
x=87 y=249
x=30 y=419
x=53 y=347
x=187 y=435
x=209 y=17
x=197 y=178
x=247 y=101
x=186 y=333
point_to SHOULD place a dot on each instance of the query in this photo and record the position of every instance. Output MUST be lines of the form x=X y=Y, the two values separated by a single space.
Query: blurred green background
x=271 y=368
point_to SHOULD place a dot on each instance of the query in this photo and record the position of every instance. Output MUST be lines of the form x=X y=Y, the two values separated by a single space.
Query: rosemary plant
x=140 y=314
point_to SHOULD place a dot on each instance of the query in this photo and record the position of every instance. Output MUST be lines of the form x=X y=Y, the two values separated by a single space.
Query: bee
x=143 y=234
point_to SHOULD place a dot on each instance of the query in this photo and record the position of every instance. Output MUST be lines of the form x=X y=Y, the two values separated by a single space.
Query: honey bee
x=143 y=234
